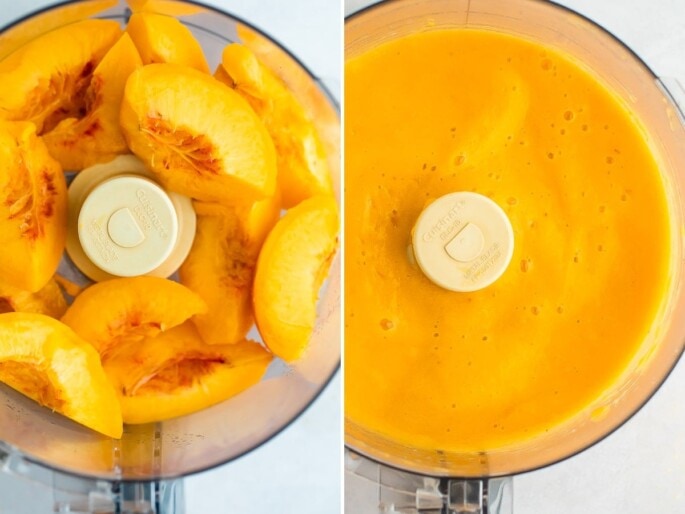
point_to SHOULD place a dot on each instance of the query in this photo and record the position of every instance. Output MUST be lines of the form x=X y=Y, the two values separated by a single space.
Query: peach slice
x=96 y=137
x=33 y=208
x=316 y=104
x=220 y=266
x=113 y=312
x=45 y=80
x=169 y=7
x=67 y=285
x=161 y=38
x=49 y=300
x=291 y=268
x=175 y=374
x=44 y=360
x=18 y=35
x=200 y=138
x=301 y=158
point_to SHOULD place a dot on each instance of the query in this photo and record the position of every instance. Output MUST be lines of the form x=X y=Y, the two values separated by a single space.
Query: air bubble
x=394 y=218
x=386 y=324
x=525 y=265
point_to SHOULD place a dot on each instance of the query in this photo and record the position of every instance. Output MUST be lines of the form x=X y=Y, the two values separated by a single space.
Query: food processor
x=143 y=472
x=382 y=476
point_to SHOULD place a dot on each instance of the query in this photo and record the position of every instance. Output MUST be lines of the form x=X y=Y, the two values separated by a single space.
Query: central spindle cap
x=127 y=226
x=122 y=223
x=463 y=241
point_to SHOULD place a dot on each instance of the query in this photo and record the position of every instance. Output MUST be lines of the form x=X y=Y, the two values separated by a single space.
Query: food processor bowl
x=651 y=100
x=34 y=438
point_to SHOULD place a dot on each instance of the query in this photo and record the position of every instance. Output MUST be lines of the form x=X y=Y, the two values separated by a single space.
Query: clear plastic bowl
x=636 y=84
x=228 y=430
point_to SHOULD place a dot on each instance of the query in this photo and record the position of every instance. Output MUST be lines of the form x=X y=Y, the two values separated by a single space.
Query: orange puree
x=470 y=110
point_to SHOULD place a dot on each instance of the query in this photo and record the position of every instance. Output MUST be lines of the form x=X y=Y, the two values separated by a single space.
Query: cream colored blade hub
x=123 y=224
x=463 y=241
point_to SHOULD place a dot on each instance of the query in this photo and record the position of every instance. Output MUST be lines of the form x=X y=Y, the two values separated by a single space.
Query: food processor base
x=27 y=487
x=372 y=488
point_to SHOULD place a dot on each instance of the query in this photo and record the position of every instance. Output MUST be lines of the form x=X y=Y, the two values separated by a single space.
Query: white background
x=297 y=472
x=640 y=469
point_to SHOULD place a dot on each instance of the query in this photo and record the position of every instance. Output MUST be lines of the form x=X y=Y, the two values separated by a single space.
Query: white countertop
x=298 y=471
x=640 y=469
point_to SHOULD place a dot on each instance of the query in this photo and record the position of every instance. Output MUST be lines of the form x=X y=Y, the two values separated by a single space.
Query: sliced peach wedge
x=48 y=300
x=114 y=312
x=44 y=81
x=301 y=158
x=95 y=137
x=199 y=137
x=160 y=38
x=168 y=7
x=46 y=361
x=292 y=266
x=220 y=266
x=176 y=373
x=13 y=38
x=33 y=208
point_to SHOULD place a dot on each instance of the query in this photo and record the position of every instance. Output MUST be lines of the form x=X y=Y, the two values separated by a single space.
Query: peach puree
x=470 y=110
